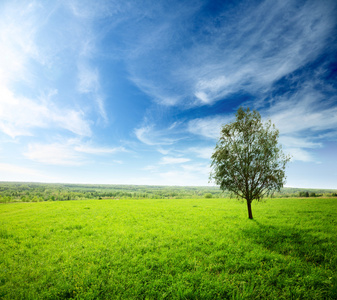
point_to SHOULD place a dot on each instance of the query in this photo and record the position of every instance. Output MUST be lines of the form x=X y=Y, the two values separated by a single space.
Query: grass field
x=169 y=249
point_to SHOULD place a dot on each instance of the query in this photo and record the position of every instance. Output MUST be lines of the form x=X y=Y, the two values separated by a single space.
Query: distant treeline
x=38 y=192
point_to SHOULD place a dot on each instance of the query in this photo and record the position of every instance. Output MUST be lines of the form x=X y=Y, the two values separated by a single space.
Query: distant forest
x=38 y=192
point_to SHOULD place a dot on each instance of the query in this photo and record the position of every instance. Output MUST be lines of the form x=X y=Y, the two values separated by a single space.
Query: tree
x=247 y=160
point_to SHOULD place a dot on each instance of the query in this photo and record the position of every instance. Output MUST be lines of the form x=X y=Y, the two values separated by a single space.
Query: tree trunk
x=249 y=206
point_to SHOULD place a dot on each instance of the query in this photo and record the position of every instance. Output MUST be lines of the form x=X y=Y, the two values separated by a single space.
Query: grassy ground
x=169 y=249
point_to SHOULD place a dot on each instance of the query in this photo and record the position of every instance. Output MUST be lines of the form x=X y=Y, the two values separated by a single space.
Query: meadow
x=169 y=249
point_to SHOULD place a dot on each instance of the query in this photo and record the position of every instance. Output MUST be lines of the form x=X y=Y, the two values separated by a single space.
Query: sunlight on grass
x=156 y=249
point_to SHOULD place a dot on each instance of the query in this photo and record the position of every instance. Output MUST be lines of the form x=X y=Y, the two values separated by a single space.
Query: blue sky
x=135 y=92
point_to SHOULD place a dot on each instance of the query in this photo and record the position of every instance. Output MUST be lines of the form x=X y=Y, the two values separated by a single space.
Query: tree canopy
x=247 y=160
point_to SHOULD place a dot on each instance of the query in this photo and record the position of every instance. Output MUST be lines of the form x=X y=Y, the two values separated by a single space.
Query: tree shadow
x=292 y=241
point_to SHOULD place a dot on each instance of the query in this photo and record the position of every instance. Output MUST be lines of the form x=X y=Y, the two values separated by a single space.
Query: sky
x=135 y=92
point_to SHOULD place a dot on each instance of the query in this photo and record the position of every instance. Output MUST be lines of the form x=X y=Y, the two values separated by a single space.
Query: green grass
x=169 y=249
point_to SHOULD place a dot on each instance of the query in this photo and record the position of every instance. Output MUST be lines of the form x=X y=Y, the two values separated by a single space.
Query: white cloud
x=250 y=53
x=308 y=110
x=17 y=34
x=19 y=116
x=31 y=60
x=13 y=172
x=186 y=177
x=304 y=119
x=89 y=83
x=71 y=152
x=209 y=126
x=151 y=168
x=300 y=119
x=163 y=151
x=203 y=169
x=87 y=9
x=177 y=171
x=88 y=79
x=54 y=154
x=299 y=147
x=143 y=134
x=300 y=154
x=298 y=142
x=167 y=160
x=119 y=162
x=210 y=89
x=154 y=137
x=202 y=152
x=7 y=169
x=98 y=150
x=158 y=93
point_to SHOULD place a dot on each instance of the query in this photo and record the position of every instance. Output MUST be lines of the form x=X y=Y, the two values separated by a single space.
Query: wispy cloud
x=163 y=151
x=151 y=136
x=88 y=79
x=71 y=152
x=203 y=169
x=306 y=110
x=250 y=53
x=98 y=150
x=187 y=174
x=209 y=126
x=15 y=172
x=298 y=142
x=20 y=115
x=20 y=55
x=167 y=160
x=40 y=54
x=300 y=154
x=98 y=9
x=17 y=42
x=14 y=169
x=54 y=154
x=202 y=152
x=89 y=83
x=304 y=118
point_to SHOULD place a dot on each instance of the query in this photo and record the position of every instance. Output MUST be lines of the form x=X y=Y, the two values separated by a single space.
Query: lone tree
x=247 y=160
